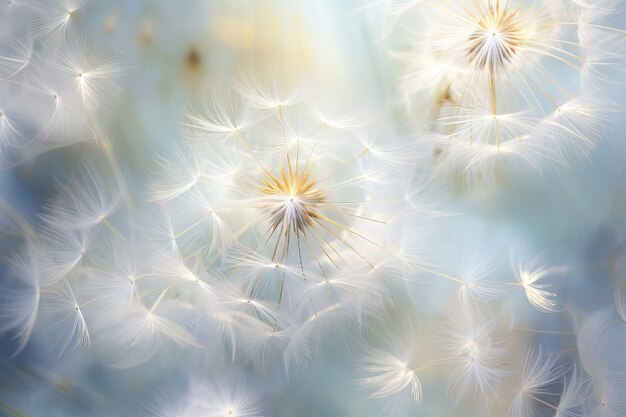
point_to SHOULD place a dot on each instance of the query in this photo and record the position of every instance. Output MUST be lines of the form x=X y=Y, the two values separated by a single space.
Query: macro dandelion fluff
x=21 y=301
x=538 y=373
x=505 y=83
x=477 y=355
x=227 y=393
x=255 y=209
x=57 y=17
x=394 y=372
x=293 y=206
x=474 y=339
x=55 y=68
x=537 y=293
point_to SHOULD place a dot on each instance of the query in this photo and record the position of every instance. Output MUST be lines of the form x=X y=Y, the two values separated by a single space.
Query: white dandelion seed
x=86 y=200
x=56 y=16
x=230 y=394
x=476 y=354
x=20 y=299
x=597 y=334
x=63 y=250
x=529 y=278
x=61 y=317
x=17 y=53
x=393 y=372
x=91 y=76
x=539 y=371
x=271 y=94
x=575 y=396
x=221 y=117
x=609 y=393
x=139 y=332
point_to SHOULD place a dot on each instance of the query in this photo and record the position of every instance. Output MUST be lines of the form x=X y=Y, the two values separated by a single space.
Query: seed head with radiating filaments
x=300 y=208
x=291 y=199
x=505 y=82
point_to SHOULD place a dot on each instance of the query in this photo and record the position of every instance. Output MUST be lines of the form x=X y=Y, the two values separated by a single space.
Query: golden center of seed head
x=291 y=199
x=496 y=39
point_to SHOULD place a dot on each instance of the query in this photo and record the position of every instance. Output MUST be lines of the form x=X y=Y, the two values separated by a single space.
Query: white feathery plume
x=227 y=392
x=270 y=94
x=198 y=224
x=20 y=298
x=575 y=396
x=475 y=289
x=63 y=250
x=529 y=278
x=23 y=116
x=391 y=376
x=66 y=120
x=71 y=84
x=157 y=229
x=115 y=282
x=189 y=287
x=61 y=317
x=538 y=373
x=341 y=116
x=17 y=53
x=20 y=302
x=220 y=401
x=393 y=372
x=609 y=395
x=306 y=334
x=222 y=117
x=597 y=334
x=235 y=297
x=138 y=333
x=88 y=199
x=56 y=16
x=90 y=76
x=476 y=354
x=176 y=175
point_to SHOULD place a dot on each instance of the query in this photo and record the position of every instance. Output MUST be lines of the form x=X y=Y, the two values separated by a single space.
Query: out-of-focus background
x=574 y=216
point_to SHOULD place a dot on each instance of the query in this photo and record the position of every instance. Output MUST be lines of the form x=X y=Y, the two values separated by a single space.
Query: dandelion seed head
x=291 y=199
x=497 y=77
x=497 y=35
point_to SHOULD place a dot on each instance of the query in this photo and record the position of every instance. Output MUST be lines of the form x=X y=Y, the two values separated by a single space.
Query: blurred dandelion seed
x=501 y=38
x=507 y=83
